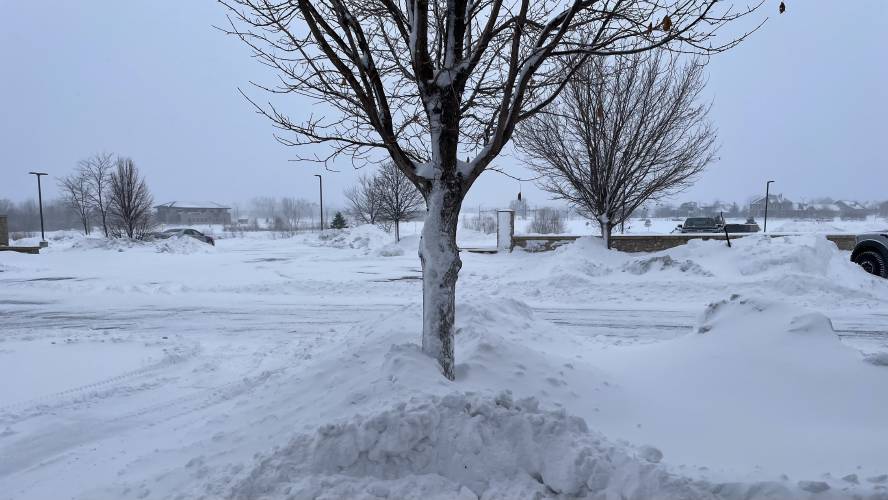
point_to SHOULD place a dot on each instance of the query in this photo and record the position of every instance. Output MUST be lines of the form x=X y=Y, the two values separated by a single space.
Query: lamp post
x=767 y=197
x=43 y=242
x=321 y=191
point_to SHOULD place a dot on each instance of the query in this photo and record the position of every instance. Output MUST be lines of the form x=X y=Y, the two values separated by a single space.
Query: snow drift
x=462 y=446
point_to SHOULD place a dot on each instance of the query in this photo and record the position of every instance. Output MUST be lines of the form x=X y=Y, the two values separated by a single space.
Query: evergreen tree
x=338 y=221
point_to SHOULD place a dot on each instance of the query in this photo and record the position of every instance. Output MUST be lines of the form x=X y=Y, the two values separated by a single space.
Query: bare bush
x=547 y=221
x=483 y=223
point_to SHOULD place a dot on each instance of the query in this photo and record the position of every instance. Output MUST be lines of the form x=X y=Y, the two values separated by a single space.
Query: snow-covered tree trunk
x=607 y=228
x=438 y=252
x=440 y=267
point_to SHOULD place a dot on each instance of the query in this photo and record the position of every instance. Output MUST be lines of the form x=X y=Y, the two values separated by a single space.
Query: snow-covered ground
x=269 y=367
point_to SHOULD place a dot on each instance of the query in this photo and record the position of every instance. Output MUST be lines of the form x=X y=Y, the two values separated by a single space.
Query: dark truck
x=701 y=225
x=871 y=253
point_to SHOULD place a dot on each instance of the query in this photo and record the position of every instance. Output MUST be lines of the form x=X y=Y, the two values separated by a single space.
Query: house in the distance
x=778 y=206
x=190 y=212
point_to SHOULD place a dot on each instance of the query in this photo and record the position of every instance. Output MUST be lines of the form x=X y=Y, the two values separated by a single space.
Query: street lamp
x=321 y=190
x=43 y=242
x=767 y=194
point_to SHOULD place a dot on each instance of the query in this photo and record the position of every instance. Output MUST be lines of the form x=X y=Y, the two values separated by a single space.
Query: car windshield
x=699 y=222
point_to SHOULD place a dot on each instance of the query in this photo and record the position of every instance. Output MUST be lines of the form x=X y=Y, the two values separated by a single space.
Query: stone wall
x=653 y=243
x=4 y=231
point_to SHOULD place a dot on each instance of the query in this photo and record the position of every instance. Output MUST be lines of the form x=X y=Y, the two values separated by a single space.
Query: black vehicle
x=701 y=225
x=871 y=253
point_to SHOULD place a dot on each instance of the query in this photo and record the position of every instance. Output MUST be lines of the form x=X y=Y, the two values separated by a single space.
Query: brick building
x=189 y=212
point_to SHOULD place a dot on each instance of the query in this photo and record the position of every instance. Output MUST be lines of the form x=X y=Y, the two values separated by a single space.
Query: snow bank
x=175 y=244
x=407 y=245
x=809 y=268
x=367 y=238
x=757 y=384
x=462 y=446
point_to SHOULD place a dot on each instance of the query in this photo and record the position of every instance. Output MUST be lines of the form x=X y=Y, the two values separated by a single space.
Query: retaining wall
x=654 y=243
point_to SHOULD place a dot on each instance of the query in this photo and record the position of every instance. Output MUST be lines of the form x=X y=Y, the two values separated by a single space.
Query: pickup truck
x=871 y=253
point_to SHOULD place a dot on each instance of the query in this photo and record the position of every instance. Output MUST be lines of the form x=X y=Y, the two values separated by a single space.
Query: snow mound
x=175 y=244
x=367 y=237
x=390 y=250
x=113 y=244
x=408 y=244
x=664 y=263
x=182 y=244
x=462 y=446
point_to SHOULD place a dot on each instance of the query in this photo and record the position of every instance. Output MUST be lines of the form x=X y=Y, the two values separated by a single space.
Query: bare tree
x=364 y=200
x=426 y=84
x=398 y=197
x=626 y=130
x=75 y=192
x=97 y=171
x=264 y=206
x=296 y=210
x=130 y=207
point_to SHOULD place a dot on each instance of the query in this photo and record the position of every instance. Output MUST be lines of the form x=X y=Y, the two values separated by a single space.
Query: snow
x=270 y=367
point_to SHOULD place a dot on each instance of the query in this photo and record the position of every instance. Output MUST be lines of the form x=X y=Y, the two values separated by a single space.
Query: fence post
x=505 y=229
x=4 y=232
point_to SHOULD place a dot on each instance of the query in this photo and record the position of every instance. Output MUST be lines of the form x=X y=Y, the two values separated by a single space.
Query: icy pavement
x=135 y=371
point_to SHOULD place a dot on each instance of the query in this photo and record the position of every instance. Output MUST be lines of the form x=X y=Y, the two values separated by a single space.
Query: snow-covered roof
x=191 y=204
x=852 y=204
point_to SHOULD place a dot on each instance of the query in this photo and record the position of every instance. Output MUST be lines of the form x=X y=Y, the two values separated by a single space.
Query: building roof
x=191 y=204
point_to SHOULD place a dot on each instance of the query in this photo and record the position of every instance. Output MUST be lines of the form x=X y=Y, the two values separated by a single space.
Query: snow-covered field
x=289 y=368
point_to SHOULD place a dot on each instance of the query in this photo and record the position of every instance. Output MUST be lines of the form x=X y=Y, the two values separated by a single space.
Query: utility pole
x=43 y=242
x=321 y=190
x=767 y=194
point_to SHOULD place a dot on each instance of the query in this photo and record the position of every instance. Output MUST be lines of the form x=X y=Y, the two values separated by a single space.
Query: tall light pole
x=767 y=198
x=43 y=242
x=321 y=190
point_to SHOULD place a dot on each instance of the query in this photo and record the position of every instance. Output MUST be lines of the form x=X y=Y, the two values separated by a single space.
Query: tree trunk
x=606 y=230
x=397 y=231
x=440 y=267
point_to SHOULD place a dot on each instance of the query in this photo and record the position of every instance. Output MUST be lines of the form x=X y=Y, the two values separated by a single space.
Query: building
x=189 y=213
x=778 y=206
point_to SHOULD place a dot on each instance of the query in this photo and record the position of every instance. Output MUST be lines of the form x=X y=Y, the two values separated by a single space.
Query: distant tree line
x=285 y=214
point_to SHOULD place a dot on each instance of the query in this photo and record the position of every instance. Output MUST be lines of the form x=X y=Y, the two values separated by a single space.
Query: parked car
x=180 y=232
x=700 y=225
x=871 y=253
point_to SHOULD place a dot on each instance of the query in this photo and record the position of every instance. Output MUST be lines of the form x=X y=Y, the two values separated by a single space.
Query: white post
x=505 y=229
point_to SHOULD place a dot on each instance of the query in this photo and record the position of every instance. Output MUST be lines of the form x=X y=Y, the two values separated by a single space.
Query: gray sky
x=804 y=102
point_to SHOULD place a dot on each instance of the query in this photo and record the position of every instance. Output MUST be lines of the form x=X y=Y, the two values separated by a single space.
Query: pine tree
x=338 y=221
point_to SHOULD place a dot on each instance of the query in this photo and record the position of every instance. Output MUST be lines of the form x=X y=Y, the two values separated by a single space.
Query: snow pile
x=462 y=446
x=112 y=244
x=758 y=383
x=182 y=244
x=663 y=263
x=408 y=244
x=367 y=238
x=175 y=244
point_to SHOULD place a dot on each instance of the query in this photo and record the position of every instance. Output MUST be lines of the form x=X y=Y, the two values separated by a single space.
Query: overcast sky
x=803 y=102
